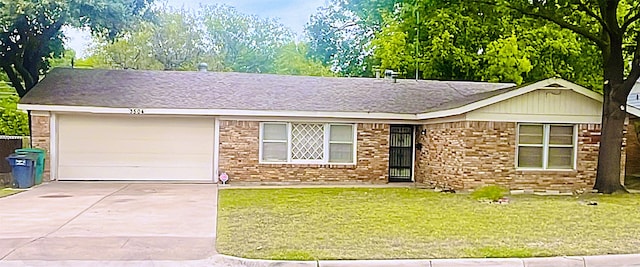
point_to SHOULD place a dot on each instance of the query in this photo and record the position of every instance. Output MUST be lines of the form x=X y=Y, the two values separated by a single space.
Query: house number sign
x=136 y=111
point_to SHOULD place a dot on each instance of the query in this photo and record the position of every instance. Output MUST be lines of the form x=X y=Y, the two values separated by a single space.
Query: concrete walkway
x=108 y=222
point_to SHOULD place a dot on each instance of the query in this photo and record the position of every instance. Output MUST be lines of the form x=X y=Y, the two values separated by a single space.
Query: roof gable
x=509 y=93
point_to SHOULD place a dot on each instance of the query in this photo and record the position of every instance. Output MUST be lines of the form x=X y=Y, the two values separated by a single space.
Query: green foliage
x=291 y=60
x=244 y=43
x=446 y=61
x=506 y=63
x=492 y=193
x=171 y=42
x=175 y=40
x=30 y=31
x=340 y=34
x=129 y=50
x=66 y=59
x=218 y=35
x=12 y=121
x=391 y=47
x=458 y=41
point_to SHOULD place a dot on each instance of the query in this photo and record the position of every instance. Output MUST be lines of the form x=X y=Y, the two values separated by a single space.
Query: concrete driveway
x=109 y=222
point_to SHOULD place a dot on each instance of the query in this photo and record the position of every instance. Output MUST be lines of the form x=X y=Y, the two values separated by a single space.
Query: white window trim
x=354 y=142
x=325 y=160
x=262 y=140
x=545 y=147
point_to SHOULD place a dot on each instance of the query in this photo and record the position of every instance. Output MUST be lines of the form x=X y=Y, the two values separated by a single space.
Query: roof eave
x=217 y=112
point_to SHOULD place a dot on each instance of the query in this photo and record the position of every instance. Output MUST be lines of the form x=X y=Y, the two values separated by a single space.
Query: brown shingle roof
x=243 y=91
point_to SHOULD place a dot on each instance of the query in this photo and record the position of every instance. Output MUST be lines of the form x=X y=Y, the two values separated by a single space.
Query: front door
x=401 y=153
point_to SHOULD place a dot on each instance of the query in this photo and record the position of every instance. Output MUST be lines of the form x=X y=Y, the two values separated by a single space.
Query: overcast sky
x=292 y=13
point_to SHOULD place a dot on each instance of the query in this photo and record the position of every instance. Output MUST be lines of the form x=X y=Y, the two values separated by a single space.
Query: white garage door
x=135 y=148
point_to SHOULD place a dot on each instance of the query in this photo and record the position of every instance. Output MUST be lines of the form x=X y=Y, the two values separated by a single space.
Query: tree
x=12 y=121
x=172 y=41
x=30 y=31
x=291 y=59
x=340 y=34
x=596 y=40
x=245 y=43
x=176 y=40
x=611 y=26
x=459 y=42
x=128 y=50
x=506 y=61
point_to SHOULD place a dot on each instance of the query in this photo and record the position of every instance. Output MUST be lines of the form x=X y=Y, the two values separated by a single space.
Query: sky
x=292 y=13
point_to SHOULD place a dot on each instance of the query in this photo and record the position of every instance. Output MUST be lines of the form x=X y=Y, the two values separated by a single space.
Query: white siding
x=544 y=105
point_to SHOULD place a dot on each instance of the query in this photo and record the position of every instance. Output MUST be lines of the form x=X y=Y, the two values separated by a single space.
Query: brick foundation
x=239 y=158
x=468 y=155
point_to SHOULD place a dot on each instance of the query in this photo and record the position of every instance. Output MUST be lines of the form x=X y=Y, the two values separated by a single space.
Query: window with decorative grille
x=307 y=141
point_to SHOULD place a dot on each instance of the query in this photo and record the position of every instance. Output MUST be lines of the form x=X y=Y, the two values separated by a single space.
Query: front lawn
x=7 y=192
x=389 y=223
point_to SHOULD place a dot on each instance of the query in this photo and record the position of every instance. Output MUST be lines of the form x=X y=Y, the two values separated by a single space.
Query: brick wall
x=632 y=166
x=41 y=137
x=239 y=157
x=489 y=154
x=439 y=161
x=468 y=155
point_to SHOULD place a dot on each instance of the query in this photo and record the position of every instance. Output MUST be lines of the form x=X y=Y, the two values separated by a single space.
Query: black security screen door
x=400 y=153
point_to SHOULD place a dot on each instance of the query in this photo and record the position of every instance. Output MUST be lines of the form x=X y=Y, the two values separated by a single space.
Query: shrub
x=492 y=192
x=12 y=121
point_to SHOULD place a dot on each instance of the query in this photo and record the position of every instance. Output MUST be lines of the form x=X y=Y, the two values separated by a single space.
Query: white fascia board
x=80 y=109
x=544 y=84
x=633 y=111
x=220 y=112
x=486 y=102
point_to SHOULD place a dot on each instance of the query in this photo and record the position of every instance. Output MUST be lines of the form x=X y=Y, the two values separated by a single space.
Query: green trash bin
x=39 y=168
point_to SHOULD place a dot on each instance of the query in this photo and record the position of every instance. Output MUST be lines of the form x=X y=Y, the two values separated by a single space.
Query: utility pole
x=417 y=40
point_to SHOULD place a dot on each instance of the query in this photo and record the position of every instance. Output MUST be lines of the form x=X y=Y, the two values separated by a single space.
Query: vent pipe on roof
x=377 y=73
x=202 y=67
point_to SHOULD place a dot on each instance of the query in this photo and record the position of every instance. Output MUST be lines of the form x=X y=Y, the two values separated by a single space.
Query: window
x=546 y=146
x=307 y=143
x=341 y=143
x=274 y=142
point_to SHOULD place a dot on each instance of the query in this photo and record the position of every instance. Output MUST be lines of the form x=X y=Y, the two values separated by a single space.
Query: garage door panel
x=140 y=174
x=136 y=132
x=155 y=160
x=140 y=147
x=110 y=147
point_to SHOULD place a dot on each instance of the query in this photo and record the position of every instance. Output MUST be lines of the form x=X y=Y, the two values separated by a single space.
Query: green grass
x=389 y=223
x=7 y=192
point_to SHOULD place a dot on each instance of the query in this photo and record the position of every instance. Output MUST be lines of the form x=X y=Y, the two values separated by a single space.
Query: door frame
x=413 y=154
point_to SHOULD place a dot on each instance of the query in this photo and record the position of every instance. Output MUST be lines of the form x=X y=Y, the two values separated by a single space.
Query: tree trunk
x=609 y=156
x=614 y=109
